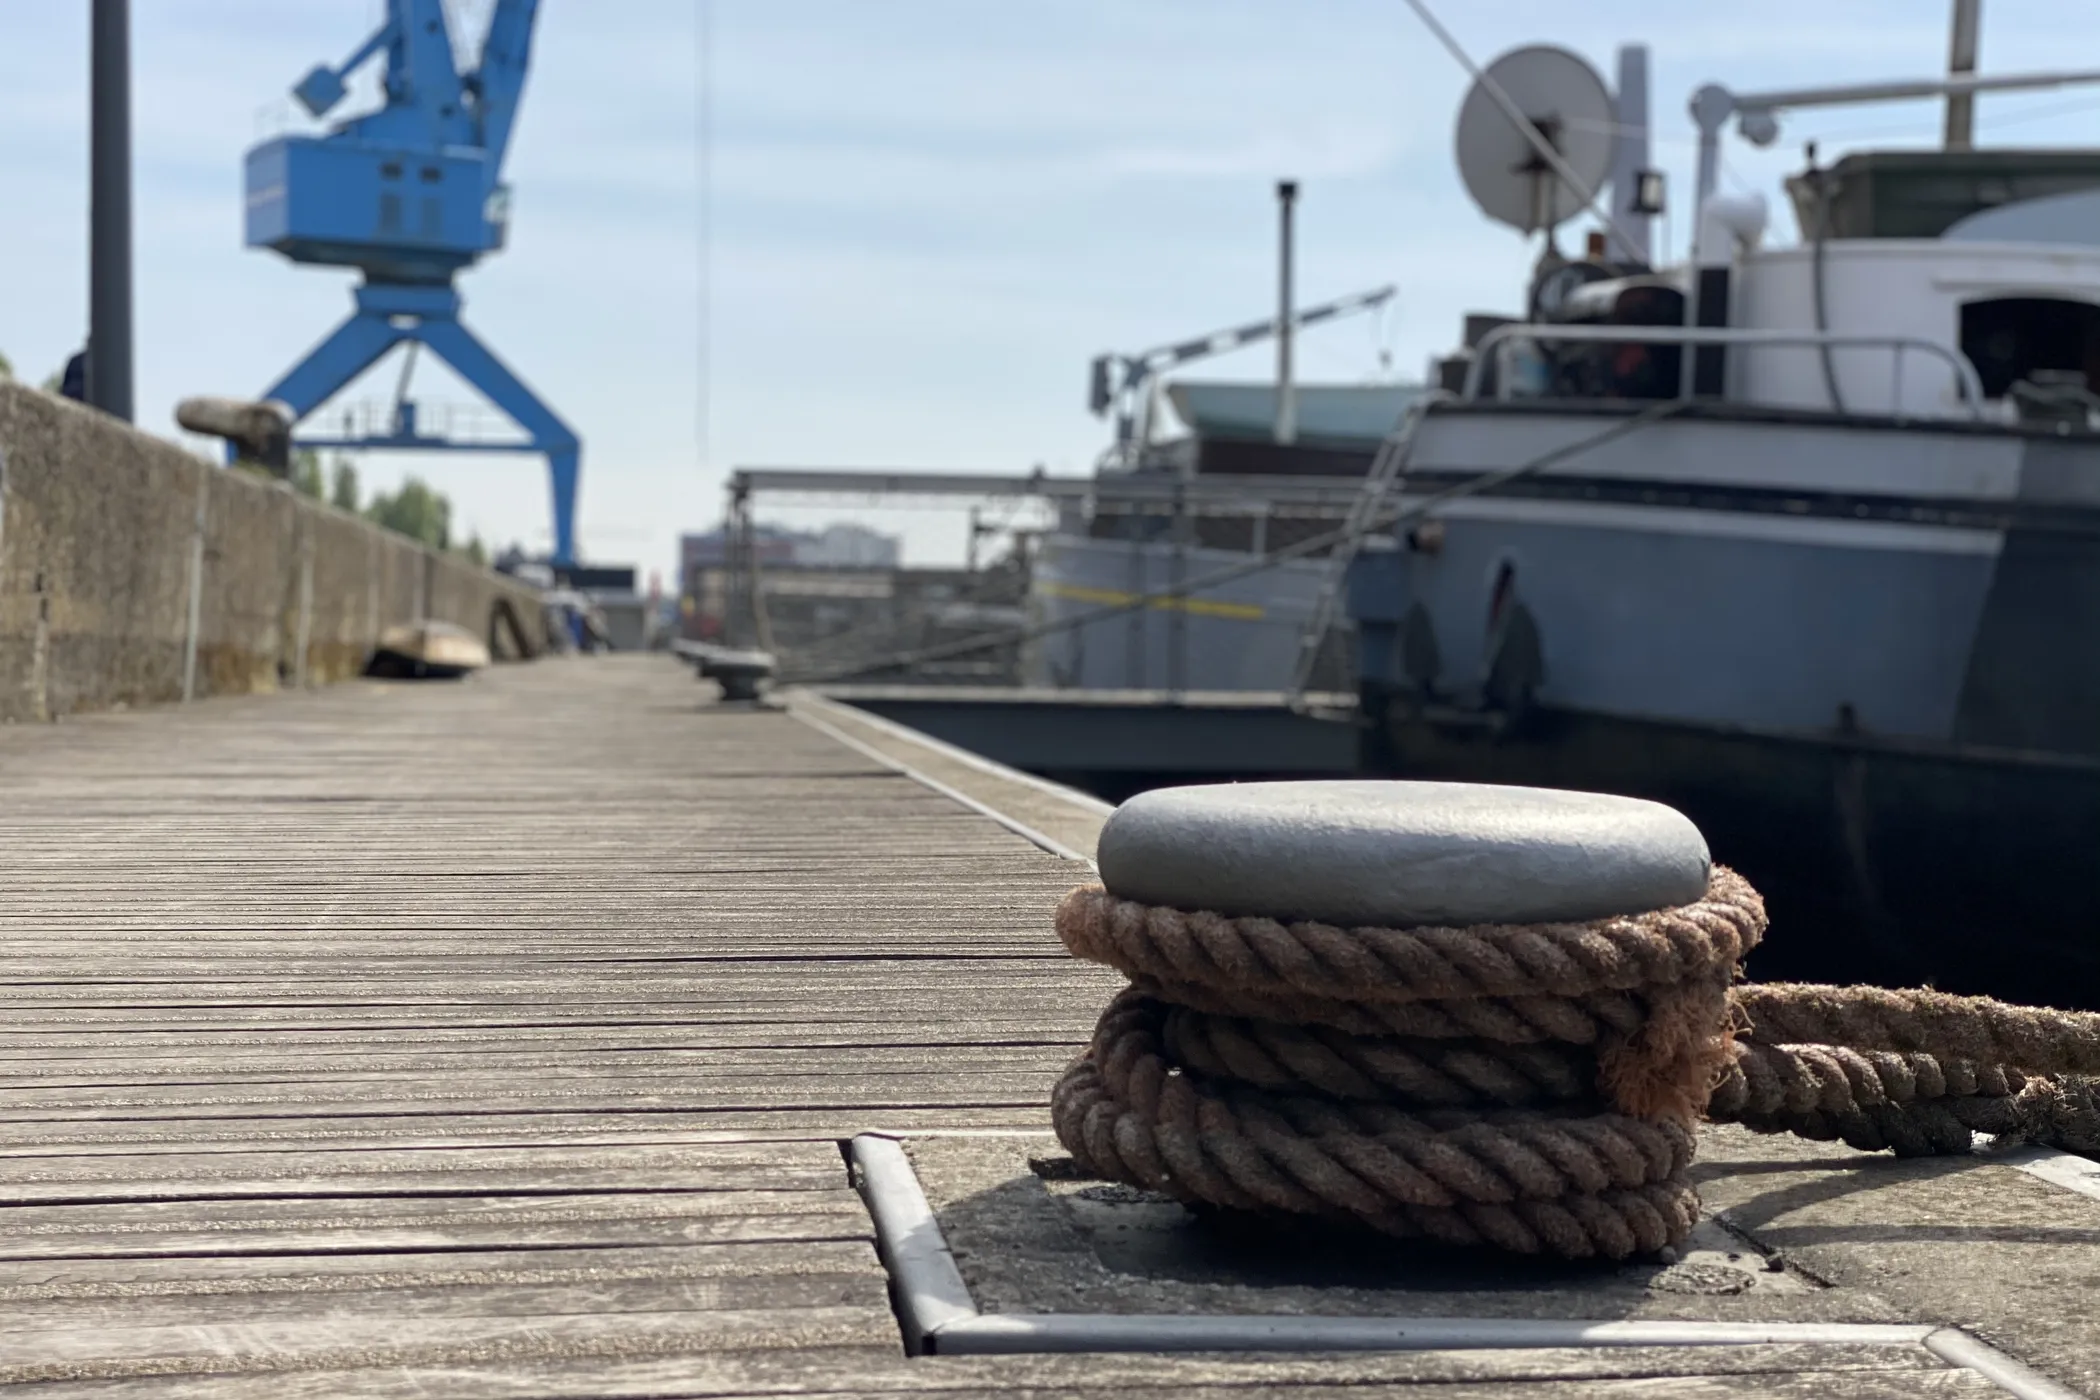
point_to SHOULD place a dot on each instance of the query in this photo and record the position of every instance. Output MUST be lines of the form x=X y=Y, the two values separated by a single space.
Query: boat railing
x=1499 y=341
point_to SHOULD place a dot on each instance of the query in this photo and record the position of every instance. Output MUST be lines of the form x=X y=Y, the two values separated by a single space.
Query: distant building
x=848 y=547
x=840 y=546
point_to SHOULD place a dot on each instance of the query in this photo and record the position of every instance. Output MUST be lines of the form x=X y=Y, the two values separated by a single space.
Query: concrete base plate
x=1030 y=1235
x=999 y=1245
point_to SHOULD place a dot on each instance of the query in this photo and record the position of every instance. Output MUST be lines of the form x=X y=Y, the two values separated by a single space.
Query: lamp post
x=109 y=358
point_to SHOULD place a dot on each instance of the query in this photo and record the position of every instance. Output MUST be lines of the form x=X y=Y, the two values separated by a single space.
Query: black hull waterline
x=1973 y=871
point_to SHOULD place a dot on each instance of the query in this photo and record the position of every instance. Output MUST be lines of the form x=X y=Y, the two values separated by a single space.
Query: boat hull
x=1241 y=635
x=1972 y=871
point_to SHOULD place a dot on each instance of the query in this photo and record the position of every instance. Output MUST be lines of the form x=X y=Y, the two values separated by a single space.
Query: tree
x=7 y=368
x=342 y=485
x=306 y=472
x=474 y=552
x=415 y=511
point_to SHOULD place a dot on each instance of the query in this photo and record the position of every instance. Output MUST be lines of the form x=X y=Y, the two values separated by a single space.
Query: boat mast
x=1961 y=63
x=1631 y=216
x=1286 y=389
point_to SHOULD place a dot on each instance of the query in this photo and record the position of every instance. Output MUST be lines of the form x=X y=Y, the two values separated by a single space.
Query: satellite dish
x=1565 y=99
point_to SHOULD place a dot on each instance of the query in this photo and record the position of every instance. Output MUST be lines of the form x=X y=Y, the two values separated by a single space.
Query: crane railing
x=1501 y=338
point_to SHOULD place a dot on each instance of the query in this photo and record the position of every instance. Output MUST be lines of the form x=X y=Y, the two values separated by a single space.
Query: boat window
x=2010 y=338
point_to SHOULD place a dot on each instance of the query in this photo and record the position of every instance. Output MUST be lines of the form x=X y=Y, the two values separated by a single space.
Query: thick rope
x=1647 y=990
x=1527 y=1181
x=1256 y=958
x=1969 y=1028
x=1530 y=1087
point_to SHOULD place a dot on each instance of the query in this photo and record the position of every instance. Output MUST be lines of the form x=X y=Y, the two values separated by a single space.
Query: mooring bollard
x=741 y=674
x=1491 y=1016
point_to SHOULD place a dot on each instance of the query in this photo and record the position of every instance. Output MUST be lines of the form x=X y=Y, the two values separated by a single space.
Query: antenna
x=1564 y=98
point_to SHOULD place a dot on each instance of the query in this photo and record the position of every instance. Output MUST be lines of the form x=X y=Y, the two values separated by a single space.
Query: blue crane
x=411 y=194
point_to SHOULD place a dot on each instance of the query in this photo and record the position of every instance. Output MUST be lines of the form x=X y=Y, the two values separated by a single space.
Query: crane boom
x=1218 y=342
x=498 y=80
x=1121 y=381
x=1106 y=387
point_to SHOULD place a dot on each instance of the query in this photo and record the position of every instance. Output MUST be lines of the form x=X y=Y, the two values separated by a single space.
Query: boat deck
x=500 y=1039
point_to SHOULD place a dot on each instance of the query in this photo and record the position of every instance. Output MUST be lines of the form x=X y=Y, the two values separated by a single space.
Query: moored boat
x=1803 y=540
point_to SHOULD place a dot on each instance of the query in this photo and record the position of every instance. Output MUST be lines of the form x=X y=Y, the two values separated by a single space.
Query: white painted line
x=2058 y=1168
x=1049 y=843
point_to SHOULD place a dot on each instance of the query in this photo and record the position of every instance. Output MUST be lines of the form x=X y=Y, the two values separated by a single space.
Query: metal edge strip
x=2016 y=1378
x=1019 y=828
x=929 y=1290
x=1010 y=1333
x=947 y=750
x=2066 y=1169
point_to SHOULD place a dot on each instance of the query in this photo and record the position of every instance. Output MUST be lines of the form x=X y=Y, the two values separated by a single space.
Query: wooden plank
x=25 y=1054
x=25 y=1221
x=336 y=1338
x=23 y=1322
x=520 y=1232
x=28 y=1281
x=77 y=1189
x=345 y=1131
x=879 y=1088
x=814 y=1166
x=1559 y=1374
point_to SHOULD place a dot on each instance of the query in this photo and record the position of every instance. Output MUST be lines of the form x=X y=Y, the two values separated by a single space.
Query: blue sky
x=928 y=214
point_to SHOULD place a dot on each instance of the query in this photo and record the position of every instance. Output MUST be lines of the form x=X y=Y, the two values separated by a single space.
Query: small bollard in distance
x=742 y=674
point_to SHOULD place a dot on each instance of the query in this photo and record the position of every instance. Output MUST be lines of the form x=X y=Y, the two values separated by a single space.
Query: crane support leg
x=350 y=349
x=385 y=316
x=453 y=343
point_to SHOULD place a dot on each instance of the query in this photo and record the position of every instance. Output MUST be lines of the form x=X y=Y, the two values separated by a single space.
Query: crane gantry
x=411 y=194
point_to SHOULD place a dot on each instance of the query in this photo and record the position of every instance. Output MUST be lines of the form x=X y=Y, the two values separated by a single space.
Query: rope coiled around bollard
x=1530 y=1087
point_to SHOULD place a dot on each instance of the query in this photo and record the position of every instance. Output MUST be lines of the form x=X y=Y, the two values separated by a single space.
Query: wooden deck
x=498 y=1039
x=422 y=1025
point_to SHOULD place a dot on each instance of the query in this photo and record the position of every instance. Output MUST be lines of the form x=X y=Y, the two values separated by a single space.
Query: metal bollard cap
x=1401 y=854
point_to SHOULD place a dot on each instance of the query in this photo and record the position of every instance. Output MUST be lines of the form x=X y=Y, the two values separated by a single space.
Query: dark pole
x=109 y=211
x=1286 y=387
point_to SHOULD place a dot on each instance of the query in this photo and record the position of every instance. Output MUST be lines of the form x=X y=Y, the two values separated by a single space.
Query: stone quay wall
x=134 y=573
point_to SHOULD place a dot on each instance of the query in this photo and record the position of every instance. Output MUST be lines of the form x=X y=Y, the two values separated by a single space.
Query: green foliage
x=415 y=511
x=342 y=485
x=53 y=381
x=306 y=472
x=7 y=368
